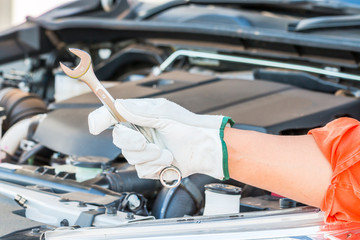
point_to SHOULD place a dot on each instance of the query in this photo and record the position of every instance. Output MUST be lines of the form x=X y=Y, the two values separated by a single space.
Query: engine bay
x=55 y=175
x=49 y=156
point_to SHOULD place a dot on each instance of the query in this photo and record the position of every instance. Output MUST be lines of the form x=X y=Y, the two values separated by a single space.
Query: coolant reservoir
x=221 y=199
x=88 y=167
x=66 y=87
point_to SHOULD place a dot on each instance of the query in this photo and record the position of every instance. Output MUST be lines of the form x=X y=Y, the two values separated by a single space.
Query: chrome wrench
x=84 y=72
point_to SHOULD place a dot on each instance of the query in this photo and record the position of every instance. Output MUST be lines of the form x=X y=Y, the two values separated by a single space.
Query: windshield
x=338 y=3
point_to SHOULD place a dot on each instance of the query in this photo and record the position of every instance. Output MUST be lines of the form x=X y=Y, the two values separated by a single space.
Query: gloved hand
x=191 y=142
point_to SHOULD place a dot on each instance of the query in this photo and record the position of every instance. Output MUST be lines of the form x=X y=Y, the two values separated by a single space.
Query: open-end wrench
x=84 y=72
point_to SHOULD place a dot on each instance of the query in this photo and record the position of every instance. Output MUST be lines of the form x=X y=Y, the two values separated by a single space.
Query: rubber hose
x=128 y=181
x=19 y=105
x=177 y=202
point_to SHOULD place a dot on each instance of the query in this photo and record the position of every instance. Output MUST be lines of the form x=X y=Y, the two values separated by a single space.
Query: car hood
x=57 y=27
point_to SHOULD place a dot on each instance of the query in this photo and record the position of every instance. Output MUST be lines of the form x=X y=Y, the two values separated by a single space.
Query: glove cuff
x=225 y=121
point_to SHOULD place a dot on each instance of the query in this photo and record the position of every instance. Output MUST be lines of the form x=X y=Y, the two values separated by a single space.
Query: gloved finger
x=154 y=173
x=147 y=172
x=128 y=139
x=151 y=153
x=142 y=112
x=148 y=112
x=152 y=169
x=100 y=120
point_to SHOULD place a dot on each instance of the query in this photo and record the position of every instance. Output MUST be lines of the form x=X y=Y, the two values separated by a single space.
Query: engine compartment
x=57 y=155
x=269 y=65
x=60 y=175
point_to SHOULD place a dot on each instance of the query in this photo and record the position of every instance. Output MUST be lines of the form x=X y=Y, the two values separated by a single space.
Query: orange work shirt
x=339 y=141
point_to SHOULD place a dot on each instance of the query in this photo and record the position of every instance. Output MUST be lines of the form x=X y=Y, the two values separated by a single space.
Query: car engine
x=59 y=175
x=47 y=146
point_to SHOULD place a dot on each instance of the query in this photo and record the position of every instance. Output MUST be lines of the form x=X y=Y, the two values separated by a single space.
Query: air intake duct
x=19 y=105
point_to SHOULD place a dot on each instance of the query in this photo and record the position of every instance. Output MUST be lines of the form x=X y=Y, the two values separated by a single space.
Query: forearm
x=292 y=166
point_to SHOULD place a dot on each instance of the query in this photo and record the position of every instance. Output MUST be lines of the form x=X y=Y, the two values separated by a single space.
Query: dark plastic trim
x=325 y=23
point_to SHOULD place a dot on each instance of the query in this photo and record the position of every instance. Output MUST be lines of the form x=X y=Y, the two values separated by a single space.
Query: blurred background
x=13 y=12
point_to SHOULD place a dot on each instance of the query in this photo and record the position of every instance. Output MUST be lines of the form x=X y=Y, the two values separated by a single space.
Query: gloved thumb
x=143 y=112
x=100 y=120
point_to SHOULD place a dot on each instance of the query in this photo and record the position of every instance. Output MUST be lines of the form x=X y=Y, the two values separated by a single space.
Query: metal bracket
x=20 y=200
x=87 y=218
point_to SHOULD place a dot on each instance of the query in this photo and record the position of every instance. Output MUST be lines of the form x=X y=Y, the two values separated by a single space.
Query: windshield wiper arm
x=325 y=23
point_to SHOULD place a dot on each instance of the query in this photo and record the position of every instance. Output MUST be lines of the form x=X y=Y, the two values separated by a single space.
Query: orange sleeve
x=339 y=141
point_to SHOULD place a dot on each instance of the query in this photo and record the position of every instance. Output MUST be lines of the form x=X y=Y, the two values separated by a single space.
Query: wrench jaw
x=82 y=68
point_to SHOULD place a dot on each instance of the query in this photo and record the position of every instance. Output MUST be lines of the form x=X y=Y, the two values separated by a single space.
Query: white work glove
x=191 y=142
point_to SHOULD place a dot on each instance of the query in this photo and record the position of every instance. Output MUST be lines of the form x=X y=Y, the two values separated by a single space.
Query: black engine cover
x=260 y=105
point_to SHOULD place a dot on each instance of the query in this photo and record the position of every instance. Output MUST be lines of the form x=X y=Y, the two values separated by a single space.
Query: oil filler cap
x=221 y=199
x=223 y=188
